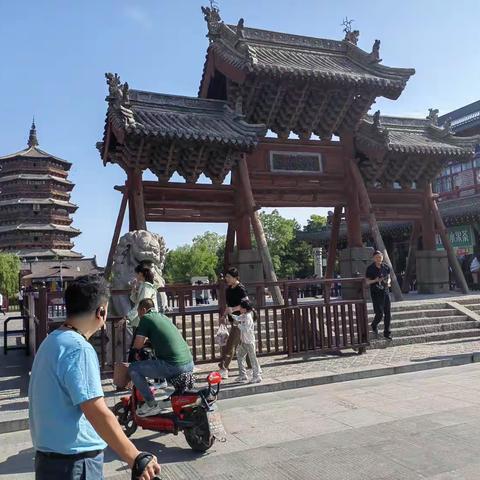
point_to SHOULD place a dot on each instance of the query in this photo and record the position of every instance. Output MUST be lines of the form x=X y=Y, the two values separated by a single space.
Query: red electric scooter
x=193 y=412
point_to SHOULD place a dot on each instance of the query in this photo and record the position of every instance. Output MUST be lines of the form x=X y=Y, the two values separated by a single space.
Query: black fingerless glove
x=140 y=463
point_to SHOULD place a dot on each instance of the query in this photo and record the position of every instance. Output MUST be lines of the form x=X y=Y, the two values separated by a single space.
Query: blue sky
x=54 y=54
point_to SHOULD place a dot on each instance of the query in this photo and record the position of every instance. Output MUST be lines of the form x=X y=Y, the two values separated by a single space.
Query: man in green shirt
x=172 y=353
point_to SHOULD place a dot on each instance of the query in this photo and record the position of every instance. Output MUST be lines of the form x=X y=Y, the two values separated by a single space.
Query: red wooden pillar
x=117 y=231
x=136 y=203
x=229 y=245
x=332 y=246
x=372 y=220
x=411 y=259
x=352 y=210
x=258 y=229
x=428 y=223
x=244 y=236
x=452 y=257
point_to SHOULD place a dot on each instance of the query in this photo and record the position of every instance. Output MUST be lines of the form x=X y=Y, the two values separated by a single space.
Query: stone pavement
x=417 y=426
x=279 y=372
x=14 y=377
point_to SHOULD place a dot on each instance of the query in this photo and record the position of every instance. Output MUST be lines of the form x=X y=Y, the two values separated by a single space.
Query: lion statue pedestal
x=133 y=248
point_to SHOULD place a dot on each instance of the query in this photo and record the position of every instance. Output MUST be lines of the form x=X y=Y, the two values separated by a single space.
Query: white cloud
x=138 y=15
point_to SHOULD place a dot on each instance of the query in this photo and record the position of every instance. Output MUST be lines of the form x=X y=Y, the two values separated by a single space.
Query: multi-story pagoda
x=35 y=204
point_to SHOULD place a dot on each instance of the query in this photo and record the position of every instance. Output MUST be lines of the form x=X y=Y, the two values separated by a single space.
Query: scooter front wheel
x=198 y=437
x=125 y=419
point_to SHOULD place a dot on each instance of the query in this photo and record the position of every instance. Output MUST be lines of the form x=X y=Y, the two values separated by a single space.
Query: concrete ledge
x=7 y=426
x=465 y=311
x=276 y=384
x=286 y=383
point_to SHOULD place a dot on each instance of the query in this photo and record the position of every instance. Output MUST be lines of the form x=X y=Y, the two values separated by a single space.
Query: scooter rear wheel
x=198 y=437
x=125 y=419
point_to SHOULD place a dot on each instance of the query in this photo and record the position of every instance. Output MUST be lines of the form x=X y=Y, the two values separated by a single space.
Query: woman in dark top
x=234 y=294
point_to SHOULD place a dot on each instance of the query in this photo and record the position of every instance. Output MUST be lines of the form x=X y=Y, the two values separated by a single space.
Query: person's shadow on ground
x=163 y=453
x=22 y=462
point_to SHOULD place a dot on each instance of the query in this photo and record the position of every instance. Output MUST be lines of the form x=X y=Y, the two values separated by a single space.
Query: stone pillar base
x=353 y=263
x=432 y=271
x=250 y=268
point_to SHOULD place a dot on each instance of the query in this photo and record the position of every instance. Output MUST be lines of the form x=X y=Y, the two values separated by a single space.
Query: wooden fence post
x=42 y=316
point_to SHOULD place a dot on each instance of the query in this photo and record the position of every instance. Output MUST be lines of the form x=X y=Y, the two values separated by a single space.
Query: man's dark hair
x=146 y=303
x=85 y=294
x=246 y=304
x=377 y=252
x=233 y=272
x=146 y=272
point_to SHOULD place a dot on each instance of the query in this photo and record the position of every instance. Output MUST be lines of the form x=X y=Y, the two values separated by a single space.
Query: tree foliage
x=203 y=257
x=9 y=274
x=315 y=223
x=291 y=257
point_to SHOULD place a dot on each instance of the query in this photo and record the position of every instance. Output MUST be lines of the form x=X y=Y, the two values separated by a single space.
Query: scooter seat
x=183 y=382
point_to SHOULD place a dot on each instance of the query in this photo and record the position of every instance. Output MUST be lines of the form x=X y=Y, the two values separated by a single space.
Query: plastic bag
x=475 y=265
x=221 y=337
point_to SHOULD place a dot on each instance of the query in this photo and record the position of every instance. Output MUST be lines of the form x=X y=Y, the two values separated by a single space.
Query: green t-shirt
x=166 y=339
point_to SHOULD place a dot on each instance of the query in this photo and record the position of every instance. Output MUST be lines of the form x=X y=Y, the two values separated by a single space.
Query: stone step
x=467 y=300
x=426 y=338
x=426 y=329
x=474 y=307
x=415 y=307
x=414 y=314
x=415 y=322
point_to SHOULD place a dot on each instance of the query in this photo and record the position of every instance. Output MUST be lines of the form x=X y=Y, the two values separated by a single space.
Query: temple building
x=314 y=95
x=457 y=189
x=35 y=205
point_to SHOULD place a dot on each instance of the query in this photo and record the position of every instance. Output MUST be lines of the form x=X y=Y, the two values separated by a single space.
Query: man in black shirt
x=378 y=277
x=234 y=294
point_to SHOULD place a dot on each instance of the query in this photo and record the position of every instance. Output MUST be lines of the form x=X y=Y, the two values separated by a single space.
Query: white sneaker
x=257 y=379
x=161 y=385
x=224 y=373
x=242 y=379
x=146 y=411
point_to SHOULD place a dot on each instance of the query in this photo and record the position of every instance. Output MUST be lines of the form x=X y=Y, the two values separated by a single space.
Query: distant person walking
x=199 y=293
x=21 y=294
x=235 y=293
x=378 y=277
x=2 y=309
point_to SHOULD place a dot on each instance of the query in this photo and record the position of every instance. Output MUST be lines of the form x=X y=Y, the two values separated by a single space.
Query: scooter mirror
x=214 y=378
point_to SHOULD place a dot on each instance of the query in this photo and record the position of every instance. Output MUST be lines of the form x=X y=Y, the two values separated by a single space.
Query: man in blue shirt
x=70 y=422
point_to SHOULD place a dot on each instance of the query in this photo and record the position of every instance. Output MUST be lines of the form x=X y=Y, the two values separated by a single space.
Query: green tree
x=279 y=232
x=315 y=223
x=291 y=258
x=9 y=274
x=202 y=258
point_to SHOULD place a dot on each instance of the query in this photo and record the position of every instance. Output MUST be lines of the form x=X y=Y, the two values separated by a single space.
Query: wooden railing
x=327 y=327
x=294 y=326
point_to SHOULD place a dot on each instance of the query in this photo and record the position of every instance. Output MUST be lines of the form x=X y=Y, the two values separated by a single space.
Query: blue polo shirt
x=65 y=374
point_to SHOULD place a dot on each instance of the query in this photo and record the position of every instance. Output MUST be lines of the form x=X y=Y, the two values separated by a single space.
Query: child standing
x=247 y=343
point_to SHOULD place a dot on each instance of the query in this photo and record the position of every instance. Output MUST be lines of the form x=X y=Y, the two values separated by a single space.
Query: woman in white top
x=142 y=288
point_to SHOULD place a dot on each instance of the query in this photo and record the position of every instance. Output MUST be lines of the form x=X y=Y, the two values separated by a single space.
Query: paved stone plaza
x=423 y=425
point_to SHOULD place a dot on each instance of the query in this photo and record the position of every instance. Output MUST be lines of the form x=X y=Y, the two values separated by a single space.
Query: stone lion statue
x=133 y=248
